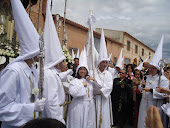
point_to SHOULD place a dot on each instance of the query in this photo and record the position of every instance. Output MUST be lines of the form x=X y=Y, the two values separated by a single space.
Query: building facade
x=134 y=50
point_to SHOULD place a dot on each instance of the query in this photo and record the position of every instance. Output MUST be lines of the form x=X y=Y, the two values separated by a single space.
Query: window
x=115 y=60
x=142 y=52
x=128 y=45
x=149 y=55
x=127 y=61
x=97 y=43
x=136 y=49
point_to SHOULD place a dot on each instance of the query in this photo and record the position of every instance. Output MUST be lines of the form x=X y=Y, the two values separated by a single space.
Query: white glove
x=63 y=75
x=69 y=72
x=39 y=105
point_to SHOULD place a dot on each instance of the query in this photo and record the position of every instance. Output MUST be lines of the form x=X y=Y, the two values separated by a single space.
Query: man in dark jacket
x=121 y=99
x=75 y=65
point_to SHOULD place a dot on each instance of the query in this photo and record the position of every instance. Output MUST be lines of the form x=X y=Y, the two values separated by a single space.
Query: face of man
x=63 y=67
x=76 y=62
x=103 y=65
x=146 y=65
x=117 y=69
x=122 y=74
x=153 y=70
x=111 y=65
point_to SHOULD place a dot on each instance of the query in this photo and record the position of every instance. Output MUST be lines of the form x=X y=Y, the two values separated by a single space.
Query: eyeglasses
x=121 y=72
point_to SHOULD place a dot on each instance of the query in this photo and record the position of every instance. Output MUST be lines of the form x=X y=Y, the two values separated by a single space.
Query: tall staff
x=41 y=74
x=161 y=65
x=41 y=57
x=64 y=27
x=38 y=15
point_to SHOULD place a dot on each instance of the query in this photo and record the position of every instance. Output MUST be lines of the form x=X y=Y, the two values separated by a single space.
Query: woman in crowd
x=167 y=73
x=130 y=70
x=137 y=95
x=81 y=111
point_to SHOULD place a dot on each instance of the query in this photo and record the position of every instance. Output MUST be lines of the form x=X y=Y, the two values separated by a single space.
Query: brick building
x=133 y=48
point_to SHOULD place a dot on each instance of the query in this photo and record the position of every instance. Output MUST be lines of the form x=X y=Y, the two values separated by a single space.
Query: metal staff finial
x=161 y=64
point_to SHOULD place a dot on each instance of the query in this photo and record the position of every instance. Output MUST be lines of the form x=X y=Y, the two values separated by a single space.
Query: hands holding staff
x=91 y=78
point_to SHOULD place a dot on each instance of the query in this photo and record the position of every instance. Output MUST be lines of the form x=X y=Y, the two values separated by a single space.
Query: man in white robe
x=19 y=80
x=150 y=96
x=54 y=93
x=104 y=79
x=16 y=107
x=53 y=88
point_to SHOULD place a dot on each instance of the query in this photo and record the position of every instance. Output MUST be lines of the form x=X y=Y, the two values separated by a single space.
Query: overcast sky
x=146 y=20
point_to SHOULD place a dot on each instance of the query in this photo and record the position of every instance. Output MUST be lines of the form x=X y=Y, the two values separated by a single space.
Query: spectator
x=129 y=70
x=122 y=100
x=75 y=65
x=44 y=123
x=137 y=95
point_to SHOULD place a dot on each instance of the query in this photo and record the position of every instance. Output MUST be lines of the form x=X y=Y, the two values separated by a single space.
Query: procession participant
x=19 y=80
x=66 y=78
x=53 y=88
x=118 y=66
x=146 y=67
x=152 y=97
x=105 y=80
x=121 y=99
x=81 y=112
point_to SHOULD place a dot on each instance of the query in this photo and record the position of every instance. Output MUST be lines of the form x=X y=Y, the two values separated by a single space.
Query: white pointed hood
x=110 y=57
x=77 y=55
x=73 y=55
x=120 y=60
x=103 y=50
x=141 y=64
x=27 y=34
x=83 y=60
x=158 y=55
x=53 y=51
